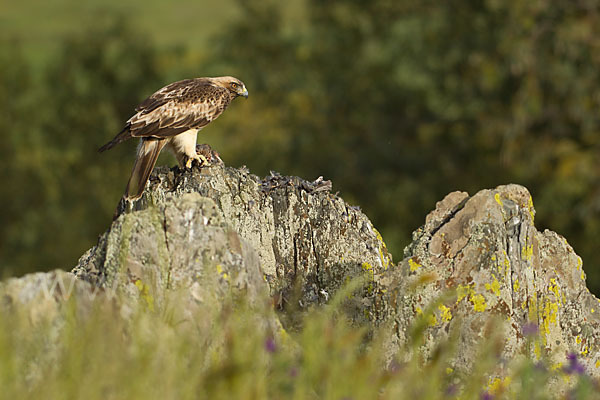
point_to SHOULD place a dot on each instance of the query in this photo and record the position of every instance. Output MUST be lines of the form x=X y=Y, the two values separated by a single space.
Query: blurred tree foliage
x=398 y=102
x=57 y=194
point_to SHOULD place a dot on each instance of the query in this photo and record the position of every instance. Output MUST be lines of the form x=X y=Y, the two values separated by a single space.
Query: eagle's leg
x=184 y=148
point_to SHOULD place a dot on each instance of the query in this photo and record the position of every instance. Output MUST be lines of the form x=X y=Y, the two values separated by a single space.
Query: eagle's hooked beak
x=244 y=94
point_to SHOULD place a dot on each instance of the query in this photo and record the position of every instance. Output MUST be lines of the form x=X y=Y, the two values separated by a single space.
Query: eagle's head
x=234 y=85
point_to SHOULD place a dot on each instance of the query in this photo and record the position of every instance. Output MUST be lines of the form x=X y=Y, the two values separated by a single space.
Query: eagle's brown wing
x=183 y=105
x=178 y=107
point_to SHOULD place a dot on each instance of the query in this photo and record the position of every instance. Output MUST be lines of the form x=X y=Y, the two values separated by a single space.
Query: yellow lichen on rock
x=498 y=200
x=554 y=288
x=585 y=350
x=431 y=320
x=506 y=262
x=493 y=287
x=223 y=274
x=532 y=309
x=497 y=386
x=527 y=252
x=549 y=315
x=556 y=367
x=145 y=294
x=446 y=313
x=478 y=302
x=531 y=209
x=462 y=291
x=368 y=268
x=413 y=265
x=385 y=261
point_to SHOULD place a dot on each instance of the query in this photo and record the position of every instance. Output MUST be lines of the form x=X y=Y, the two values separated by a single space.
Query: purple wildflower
x=578 y=368
x=293 y=372
x=530 y=329
x=486 y=396
x=574 y=367
x=270 y=345
x=451 y=390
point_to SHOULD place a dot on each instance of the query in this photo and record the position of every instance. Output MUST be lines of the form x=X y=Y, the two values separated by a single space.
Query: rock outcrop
x=309 y=242
x=182 y=243
x=486 y=250
x=477 y=260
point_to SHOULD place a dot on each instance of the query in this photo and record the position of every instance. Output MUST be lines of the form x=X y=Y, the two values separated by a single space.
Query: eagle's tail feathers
x=121 y=137
x=147 y=155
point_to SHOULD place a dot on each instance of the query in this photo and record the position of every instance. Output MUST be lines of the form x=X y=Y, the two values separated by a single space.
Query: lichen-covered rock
x=41 y=296
x=477 y=265
x=485 y=250
x=182 y=243
x=306 y=238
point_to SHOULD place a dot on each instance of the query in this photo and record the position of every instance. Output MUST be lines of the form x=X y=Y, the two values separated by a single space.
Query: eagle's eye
x=234 y=85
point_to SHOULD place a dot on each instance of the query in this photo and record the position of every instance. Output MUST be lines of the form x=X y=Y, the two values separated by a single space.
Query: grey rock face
x=42 y=295
x=486 y=250
x=306 y=238
x=181 y=244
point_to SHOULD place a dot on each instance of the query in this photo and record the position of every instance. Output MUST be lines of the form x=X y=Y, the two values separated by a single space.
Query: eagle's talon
x=200 y=160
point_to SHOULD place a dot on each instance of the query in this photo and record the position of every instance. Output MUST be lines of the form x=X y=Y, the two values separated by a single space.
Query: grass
x=41 y=26
x=230 y=351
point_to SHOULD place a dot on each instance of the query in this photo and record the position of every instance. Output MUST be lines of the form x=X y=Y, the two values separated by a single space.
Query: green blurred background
x=398 y=102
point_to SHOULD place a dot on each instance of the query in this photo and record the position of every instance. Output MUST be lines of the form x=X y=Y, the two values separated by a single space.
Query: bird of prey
x=172 y=117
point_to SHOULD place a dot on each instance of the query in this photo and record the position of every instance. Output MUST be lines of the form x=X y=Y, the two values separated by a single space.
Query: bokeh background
x=398 y=102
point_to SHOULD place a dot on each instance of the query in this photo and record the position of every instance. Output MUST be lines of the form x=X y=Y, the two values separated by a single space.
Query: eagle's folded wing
x=162 y=119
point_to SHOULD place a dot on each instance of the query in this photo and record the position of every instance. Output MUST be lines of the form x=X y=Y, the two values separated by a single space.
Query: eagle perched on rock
x=172 y=117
